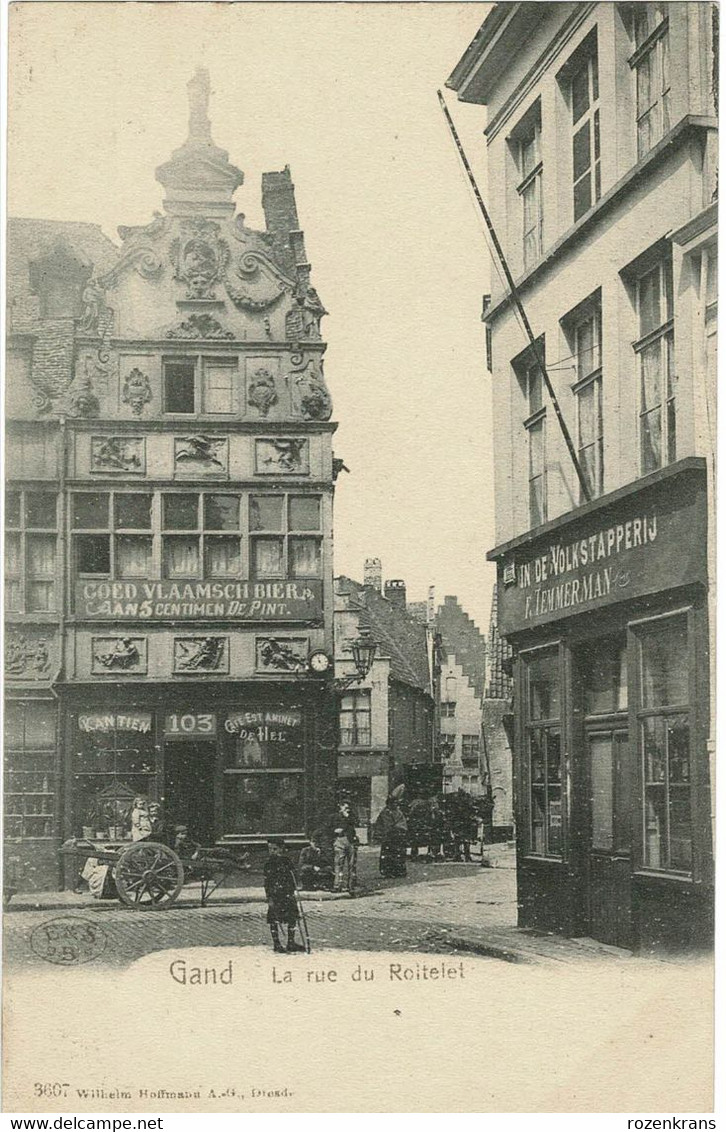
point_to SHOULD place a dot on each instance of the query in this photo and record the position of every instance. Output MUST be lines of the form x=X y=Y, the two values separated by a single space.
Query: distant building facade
x=602 y=150
x=169 y=521
x=387 y=719
x=463 y=674
x=498 y=726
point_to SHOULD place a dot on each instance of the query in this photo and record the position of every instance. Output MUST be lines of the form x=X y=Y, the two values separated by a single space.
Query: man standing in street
x=345 y=850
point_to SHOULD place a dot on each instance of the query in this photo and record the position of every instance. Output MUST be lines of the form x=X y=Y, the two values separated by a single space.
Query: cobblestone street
x=441 y=908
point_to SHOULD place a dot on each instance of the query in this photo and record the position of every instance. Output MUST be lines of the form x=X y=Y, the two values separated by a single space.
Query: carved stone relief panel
x=281 y=654
x=30 y=654
x=200 y=326
x=198 y=454
x=310 y=397
x=136 y=391
x=282 y=455
x=118 y=455
x=200 y=257
x=138 y=384
x=254 y=283
x=111 y=655
x=201 y=654
x=263 y=388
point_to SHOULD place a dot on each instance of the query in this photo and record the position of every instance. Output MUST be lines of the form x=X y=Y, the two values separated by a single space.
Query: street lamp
x=364 y=651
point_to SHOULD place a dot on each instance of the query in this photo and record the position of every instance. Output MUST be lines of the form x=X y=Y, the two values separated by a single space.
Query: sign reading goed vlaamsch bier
x=637 y=542
x=200 y=600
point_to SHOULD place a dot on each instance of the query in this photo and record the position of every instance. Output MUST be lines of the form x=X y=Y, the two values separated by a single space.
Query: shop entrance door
x=189 y=772
x=609 y=863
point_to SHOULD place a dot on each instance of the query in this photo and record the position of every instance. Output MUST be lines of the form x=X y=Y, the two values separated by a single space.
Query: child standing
x=280 y=892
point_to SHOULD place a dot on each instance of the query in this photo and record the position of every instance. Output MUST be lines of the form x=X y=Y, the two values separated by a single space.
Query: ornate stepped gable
x=210 y=278
x=461 y=637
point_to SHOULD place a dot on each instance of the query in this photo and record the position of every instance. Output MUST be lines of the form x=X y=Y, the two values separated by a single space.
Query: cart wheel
x=148 y=875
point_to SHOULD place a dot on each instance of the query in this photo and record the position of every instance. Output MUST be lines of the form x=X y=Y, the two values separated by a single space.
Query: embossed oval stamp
x=68 y=941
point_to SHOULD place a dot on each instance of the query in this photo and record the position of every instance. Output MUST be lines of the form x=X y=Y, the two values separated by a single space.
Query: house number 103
x=189 y=724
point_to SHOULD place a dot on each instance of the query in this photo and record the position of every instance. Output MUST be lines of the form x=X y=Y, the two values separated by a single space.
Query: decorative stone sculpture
x=118 y=654
x=200 y=453
x=303 y=319
x=200 y=326
x=199 y=257
x=282 y=655
x=256 y=283
x=287 y=454
x=200 y=654
x=315 y=402
x=25 y=656
x=136 y=391
x=261 y=393
x=117 y=454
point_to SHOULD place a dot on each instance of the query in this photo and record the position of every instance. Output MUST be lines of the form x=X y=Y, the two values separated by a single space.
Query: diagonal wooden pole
x=536 y=352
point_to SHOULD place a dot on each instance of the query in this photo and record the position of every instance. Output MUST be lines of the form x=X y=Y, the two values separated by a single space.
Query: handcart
x=149 y=875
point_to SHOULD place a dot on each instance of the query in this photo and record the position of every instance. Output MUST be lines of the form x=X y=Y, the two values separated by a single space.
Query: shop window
x=544 y=753
x=30 y=551
x=656 y=365
x=585 y=108
x=276 y=549
x=355 y=719
x=112 y=534
x=204 y=520
x=470 y=750
x=651 y=63
x=263 y=778
x=113 y=763
x=30 y=770
x=663 y=719
x=605 y=676
x=587 y=335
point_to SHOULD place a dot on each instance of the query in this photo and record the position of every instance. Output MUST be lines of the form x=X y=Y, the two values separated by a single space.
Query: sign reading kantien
x=193 y=600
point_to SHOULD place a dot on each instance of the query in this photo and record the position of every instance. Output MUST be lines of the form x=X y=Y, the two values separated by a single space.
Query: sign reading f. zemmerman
x=640 y=544
x=191 y=600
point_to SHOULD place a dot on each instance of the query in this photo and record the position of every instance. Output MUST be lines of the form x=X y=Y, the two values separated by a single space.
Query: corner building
x=601 y=135
x=169 y=521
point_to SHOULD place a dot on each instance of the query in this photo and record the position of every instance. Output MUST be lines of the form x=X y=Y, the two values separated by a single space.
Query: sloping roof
x=400 y=637
x=462 y=638
x=488 y=58
x=28 y=240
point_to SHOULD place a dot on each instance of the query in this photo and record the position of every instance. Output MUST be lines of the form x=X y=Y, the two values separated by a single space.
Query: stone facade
x=601 y=130
x=171 y=472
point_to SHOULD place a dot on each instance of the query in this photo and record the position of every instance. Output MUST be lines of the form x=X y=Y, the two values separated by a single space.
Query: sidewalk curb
x=59 y=901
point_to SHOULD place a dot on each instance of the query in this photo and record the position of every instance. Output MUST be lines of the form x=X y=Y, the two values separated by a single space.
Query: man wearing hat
x=282 y=907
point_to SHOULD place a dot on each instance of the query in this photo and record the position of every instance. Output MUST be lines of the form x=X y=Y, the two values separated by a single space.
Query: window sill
x=690 y=122
x=643 y=874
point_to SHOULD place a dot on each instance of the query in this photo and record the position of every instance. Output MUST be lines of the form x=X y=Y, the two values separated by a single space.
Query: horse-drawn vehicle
x=150 y=875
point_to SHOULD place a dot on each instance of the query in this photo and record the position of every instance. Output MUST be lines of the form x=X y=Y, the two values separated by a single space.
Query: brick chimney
x=281 y=220
x=373 y=573
x=395 y=591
